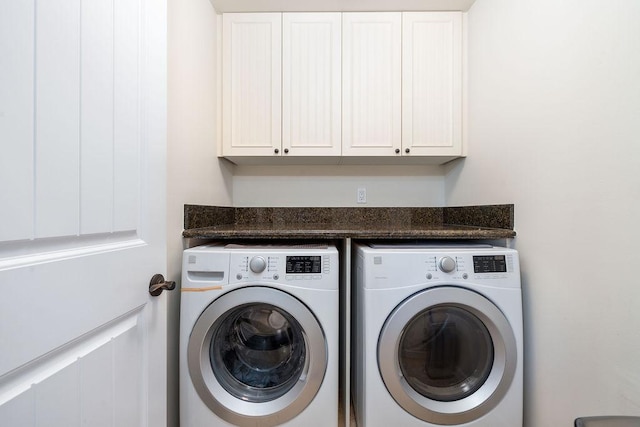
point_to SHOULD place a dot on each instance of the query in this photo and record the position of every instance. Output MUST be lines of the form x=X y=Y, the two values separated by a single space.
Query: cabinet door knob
x=397 y=150
x=286 y=150
x=406 y=150
x=276 y=151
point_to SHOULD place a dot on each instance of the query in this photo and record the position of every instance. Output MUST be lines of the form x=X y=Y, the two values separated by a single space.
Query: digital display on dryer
x=490 y=264
x=304 y=264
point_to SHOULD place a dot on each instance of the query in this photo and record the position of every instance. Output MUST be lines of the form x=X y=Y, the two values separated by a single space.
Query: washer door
x=447 y=355
x=257 y=356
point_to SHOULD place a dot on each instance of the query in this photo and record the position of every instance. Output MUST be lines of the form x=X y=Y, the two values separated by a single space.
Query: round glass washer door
x=257 y=354
x=447 y=355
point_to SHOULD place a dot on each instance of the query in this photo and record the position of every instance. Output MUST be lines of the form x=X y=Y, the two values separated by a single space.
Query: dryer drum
x=445 y=353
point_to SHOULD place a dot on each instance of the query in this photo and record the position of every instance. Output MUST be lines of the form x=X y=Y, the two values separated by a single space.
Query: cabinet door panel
x=251 y=116
x=311 y=84
x=371 y=84
x=432 y=83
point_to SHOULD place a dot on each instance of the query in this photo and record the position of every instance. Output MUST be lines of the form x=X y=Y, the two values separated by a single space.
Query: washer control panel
x=287 y=267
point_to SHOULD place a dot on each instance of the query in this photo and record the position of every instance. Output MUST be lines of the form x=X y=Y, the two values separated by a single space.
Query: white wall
x=555 y=128
x=336 y=186
x=194 y=174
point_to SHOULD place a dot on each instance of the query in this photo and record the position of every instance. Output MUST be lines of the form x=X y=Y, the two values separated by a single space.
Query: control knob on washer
x=257 y=264
x=447 y=264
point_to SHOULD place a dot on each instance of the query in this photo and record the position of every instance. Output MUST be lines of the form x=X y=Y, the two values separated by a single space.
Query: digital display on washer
x=490 y=264
x=304 y=264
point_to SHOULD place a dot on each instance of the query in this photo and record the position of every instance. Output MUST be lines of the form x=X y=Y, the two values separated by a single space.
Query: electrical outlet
x=362 y=195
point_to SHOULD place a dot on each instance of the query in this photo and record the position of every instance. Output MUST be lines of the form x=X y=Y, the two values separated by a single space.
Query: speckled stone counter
x=466 y=222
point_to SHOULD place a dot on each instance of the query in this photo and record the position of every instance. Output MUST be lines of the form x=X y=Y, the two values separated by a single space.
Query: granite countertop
x=467 y=222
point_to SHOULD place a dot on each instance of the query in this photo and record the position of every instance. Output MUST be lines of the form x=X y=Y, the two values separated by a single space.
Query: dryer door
x=447 y=355
x=257 y=356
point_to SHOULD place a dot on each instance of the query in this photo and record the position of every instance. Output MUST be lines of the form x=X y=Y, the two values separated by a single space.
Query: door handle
x=158 y=284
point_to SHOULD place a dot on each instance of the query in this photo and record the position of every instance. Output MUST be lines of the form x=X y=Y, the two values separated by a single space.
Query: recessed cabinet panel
x=371 y=91
x=251 y=83
x=432 y=83
x=311 y=84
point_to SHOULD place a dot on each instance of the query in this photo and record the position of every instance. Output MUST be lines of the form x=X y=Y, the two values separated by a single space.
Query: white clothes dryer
x=259 y=336
x=438 y=336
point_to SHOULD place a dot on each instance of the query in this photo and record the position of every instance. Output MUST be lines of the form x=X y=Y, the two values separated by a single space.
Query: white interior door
x=82 y=218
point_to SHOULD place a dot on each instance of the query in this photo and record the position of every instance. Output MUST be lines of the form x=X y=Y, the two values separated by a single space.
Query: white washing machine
x=438 y=336
x=259 y=336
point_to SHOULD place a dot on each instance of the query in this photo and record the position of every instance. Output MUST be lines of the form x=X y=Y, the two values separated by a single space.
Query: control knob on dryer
x=257 y=264
x=447 y=264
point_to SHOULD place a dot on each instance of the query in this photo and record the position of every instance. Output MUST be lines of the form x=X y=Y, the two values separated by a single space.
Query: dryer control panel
x=489 y=263
x=388 y=266
x=463 y=266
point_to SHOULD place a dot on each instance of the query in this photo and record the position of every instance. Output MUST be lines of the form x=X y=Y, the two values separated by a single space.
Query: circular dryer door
x=447 y=355
x=257 y=356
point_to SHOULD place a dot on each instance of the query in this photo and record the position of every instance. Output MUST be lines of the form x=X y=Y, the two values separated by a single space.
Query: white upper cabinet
x=432 y=83
x=281 y=85
x=351 y=87
x=371 y=84
x=311 y=84
x=252 y=77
